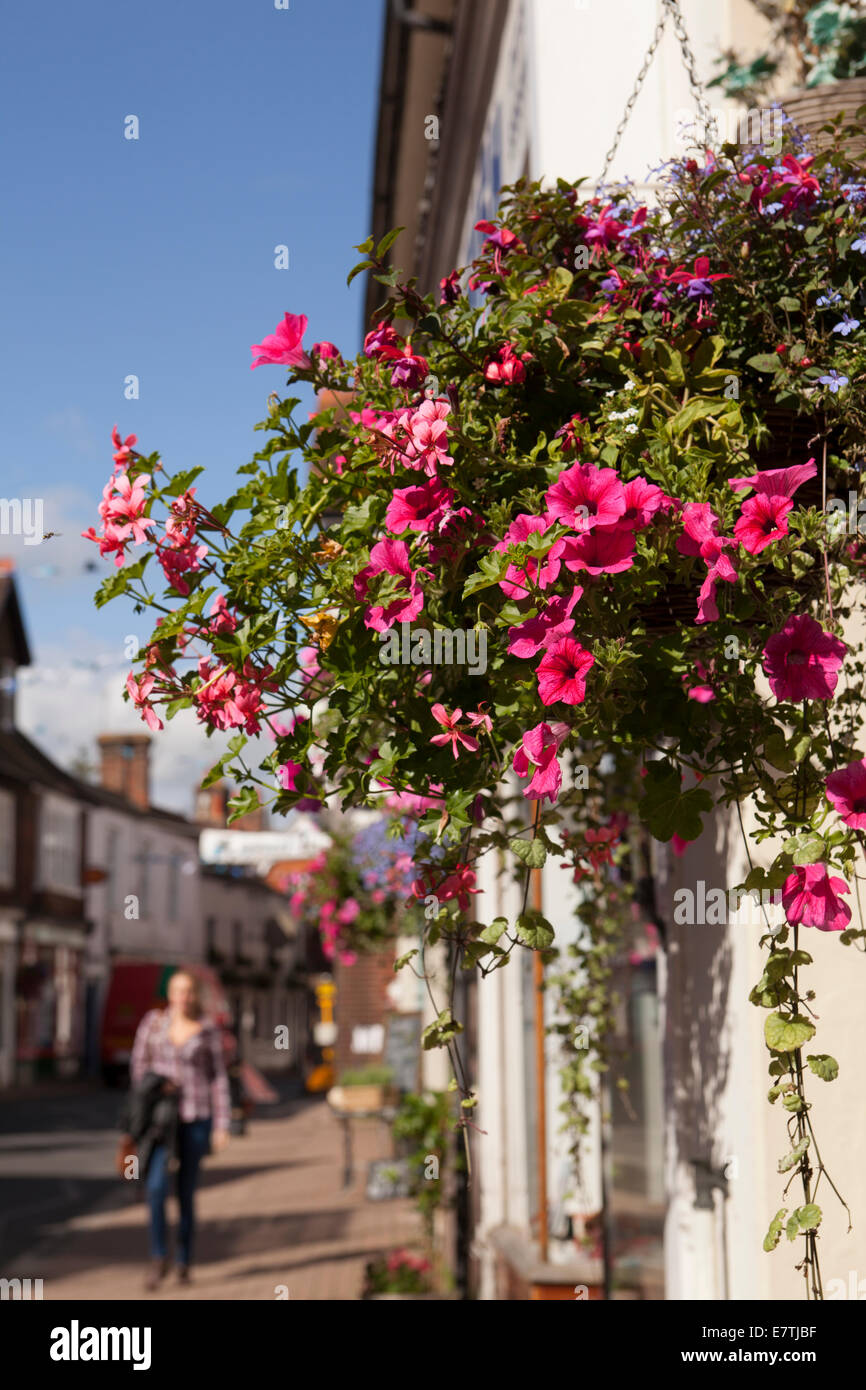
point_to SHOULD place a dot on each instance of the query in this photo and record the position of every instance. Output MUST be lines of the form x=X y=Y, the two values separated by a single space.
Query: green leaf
x=697 y=409
x=764 y=362
x=532 y=852
x=387 y=242
x=792 y=1230
x=534 y=930
x=786 y=1034
x=810 y=1216
x=790 y=1160
x=404 y=960
x=666 y=809
x=789 y=303
x=359 y=270
x=492 y=933
x=774 y=1234
x=440 y=1033
x=824 y=1066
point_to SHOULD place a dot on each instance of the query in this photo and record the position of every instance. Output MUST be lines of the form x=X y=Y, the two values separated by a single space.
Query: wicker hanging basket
x=813 y=108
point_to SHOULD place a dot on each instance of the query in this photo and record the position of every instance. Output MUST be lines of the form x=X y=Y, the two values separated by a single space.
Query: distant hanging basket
x=812 y=108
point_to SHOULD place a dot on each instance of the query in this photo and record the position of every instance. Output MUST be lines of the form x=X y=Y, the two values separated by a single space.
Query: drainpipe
x=413 y=19
x=540 y=1078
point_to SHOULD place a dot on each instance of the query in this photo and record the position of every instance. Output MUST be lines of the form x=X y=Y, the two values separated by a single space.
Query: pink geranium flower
x=802 y=661
x=538 y=749
x=282 y=348
x=452 y=734
x=764 y=519
x=139 y=692
x=562 y=672
x=846 y=790
x=480 y=719
x=811 y=896
x=459 y=884
x=584 y=496
x=122 y=448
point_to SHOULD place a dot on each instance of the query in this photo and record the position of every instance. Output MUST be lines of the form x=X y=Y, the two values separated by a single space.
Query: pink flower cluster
x=227 y=700
x=123 y=505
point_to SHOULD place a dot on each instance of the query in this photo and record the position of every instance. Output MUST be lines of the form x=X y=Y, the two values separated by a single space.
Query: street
x=274 y=1219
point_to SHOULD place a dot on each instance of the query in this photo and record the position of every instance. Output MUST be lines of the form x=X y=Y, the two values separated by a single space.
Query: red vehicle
x=134 y=988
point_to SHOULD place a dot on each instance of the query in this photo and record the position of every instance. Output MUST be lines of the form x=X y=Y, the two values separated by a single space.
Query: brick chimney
x=125 y=766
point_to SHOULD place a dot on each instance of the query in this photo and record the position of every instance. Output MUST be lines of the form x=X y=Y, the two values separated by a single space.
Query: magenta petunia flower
x=518 y=579
x=418 y=508
x=283 y=346
x=584 y=496
x=555 y=621
x=811 y=896
x=538 y=749
x=764 y=519
x=802 y=661
x=643 y=501
x=846 y=790
x=776 y=482
x=607 y=550
x=390 y=557
x=562 y=672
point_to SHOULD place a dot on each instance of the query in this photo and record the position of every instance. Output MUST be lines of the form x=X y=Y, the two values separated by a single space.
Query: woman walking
x=185 y=1048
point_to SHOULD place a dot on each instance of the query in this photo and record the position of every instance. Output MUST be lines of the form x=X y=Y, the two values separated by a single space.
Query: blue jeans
x=193 y=1144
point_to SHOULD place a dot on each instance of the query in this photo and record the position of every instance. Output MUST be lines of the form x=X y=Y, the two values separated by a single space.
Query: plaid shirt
x=197 y=1069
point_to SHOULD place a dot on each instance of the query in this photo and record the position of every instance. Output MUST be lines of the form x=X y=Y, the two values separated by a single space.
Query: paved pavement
x=273 y=1217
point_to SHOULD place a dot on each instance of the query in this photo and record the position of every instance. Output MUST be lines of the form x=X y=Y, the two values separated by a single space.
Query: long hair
x=197 y=1005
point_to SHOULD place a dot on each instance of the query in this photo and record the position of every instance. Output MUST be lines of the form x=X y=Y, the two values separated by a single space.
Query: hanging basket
x=813 y=108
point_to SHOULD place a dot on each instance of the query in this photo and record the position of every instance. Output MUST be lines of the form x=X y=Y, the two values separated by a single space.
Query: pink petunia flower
x=554 y=621
x=802 y=661
x=418 y=508
x=606 y=550
x=810 y=895
x=538 y=749
x=584 y=496
x=283 y=346
x=390 y=557
x=776 y=482
x=518 y=578
x=846 y=790
x=764 y=519
x=562 y=672
x=643 y=501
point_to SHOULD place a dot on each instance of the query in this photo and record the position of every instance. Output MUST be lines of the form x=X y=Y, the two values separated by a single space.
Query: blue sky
x=155 y=257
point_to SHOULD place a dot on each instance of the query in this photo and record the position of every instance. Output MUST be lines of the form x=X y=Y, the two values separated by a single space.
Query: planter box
x=361 y=1097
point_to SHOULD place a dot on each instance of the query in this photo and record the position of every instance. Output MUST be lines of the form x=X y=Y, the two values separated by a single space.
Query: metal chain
x=669 y=7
